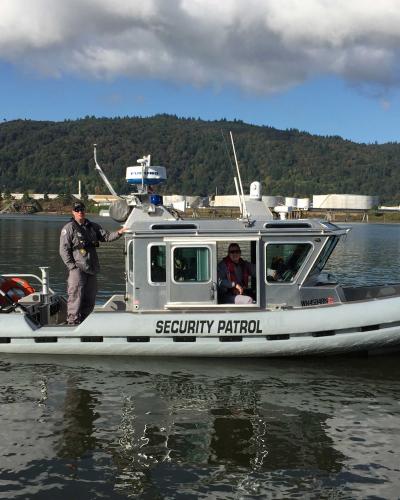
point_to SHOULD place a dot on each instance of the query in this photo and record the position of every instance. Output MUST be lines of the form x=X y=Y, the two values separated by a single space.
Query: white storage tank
x=393 y=209
x=345 y=201
x=173 y=199
x=232 y=200
x=179 y=205
x=303 y=203
x=291 y=202
x=273 y=201
x=192 y=201
x=226 y=201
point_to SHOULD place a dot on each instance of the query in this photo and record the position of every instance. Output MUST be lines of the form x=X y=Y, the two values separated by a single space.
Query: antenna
x=102 y=174
x=241 y=195
x=238 y=195
x=144 y=163
x=234 y=175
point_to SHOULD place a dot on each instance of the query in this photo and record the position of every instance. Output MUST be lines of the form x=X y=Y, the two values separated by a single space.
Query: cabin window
x=191 y=264
x=284 y=260
x=325 y=254
x=157 y=264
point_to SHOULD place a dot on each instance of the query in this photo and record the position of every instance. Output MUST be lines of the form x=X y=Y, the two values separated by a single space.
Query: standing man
x=78 y=242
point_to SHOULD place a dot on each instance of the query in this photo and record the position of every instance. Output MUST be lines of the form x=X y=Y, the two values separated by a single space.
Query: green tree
x=48 y=157
x=26 y=198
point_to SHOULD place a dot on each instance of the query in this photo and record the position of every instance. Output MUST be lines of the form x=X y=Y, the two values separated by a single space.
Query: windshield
x=325 y=254
x=284 y=260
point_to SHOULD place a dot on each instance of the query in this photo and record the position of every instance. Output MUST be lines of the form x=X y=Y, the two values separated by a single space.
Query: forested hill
x=50 y=157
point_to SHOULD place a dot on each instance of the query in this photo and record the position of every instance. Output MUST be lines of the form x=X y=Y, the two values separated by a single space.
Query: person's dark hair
x=233 y=246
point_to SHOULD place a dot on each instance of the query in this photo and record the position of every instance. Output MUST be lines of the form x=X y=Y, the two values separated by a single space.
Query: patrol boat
x=171 y=304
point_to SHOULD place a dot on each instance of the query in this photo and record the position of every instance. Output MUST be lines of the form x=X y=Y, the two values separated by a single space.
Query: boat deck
x=353 y=294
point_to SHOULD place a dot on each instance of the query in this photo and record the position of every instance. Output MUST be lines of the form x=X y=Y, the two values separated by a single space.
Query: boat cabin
x=173 y=264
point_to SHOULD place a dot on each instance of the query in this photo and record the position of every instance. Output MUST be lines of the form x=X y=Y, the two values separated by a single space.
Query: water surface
x=82 y=427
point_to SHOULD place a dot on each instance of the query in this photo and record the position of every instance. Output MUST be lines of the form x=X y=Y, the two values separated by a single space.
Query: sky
x=328 y=67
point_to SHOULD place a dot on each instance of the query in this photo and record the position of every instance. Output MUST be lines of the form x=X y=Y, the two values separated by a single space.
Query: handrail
x=129 y=270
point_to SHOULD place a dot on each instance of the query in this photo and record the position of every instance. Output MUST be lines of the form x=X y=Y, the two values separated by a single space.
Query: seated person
x=233 y=277
x=281 y=270
x=277 y=269
x=180 y=268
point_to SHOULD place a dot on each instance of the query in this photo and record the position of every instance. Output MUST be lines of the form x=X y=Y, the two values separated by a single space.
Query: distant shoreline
x=336 y=218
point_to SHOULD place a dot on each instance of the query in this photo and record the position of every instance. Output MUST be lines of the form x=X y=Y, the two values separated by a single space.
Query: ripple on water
x=126 y=428
x=198 y=428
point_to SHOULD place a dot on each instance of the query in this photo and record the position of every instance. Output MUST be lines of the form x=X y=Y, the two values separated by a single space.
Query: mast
x=242 y=201
x=102 y=174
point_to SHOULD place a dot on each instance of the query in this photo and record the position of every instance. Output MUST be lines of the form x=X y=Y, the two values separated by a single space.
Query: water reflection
x=78 y=421
x=231 y=430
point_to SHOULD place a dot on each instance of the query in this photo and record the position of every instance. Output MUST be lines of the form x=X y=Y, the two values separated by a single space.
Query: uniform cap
x=78 y=206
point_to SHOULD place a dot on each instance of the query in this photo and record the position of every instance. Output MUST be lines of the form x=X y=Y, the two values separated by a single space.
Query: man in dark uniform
x=78 y=242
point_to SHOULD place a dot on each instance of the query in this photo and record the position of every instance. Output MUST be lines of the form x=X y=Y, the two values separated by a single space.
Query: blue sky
x=263 y=65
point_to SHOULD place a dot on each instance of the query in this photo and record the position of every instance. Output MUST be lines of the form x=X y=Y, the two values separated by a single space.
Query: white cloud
x=258 y=45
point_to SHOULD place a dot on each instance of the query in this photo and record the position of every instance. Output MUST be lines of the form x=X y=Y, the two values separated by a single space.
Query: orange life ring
x=15 y=288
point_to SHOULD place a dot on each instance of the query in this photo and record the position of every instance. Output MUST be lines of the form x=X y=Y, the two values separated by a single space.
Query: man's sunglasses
x=235 y=251
x=79 y=209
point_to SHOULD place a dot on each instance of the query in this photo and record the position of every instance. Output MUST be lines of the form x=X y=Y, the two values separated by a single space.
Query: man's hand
x=122 y=230
x=239 y=288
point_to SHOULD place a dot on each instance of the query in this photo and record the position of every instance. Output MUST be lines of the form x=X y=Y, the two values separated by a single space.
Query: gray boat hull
x=366 y=326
